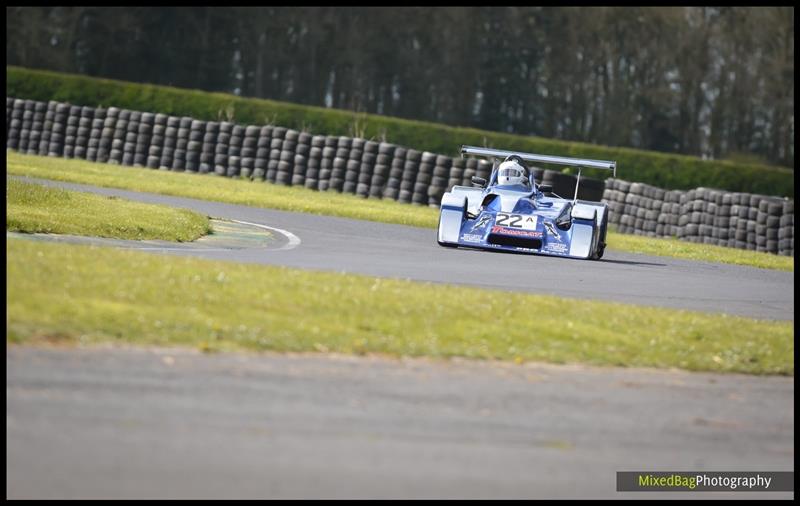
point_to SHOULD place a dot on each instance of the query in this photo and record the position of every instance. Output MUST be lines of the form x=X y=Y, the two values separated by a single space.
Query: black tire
x=601 y=243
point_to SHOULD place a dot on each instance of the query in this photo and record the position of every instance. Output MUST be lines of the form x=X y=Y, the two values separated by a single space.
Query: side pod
x=583 y=227
x=451 y=217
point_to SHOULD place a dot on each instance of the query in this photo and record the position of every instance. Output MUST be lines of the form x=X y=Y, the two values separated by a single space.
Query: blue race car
x=511 y=212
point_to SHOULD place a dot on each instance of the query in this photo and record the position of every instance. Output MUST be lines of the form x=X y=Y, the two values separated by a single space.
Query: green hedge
x=664 y=170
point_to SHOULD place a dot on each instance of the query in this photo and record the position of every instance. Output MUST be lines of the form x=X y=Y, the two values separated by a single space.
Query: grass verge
x=33 y=208
x=213 y=305
x=702 y=252
x=273 y=196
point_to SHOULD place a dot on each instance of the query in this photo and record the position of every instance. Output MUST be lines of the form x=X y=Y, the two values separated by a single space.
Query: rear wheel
x=601 y=243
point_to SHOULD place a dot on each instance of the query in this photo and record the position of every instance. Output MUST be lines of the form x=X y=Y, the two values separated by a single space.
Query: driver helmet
x=512 y=171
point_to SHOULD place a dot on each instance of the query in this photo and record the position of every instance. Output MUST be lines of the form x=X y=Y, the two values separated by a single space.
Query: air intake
x=515 y=241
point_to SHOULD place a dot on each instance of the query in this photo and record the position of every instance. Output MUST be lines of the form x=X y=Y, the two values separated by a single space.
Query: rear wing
x=532 y=157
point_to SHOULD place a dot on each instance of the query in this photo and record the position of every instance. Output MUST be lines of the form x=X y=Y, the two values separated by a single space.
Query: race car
x=512 y=212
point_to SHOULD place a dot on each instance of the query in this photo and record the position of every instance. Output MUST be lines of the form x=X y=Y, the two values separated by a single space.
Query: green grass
x=220 y=189
x=212 y=305
x=33 y=208
x=273 y=196
x=664 y=170
x=676 y=248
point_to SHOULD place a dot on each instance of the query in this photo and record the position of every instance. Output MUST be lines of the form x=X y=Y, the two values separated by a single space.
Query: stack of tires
x=470 y=171
x=299 y=161
x=144 y=133
x=363 y=169
x=25 y=126
x=47 y=126
x=70 y=132
x=284 y=172
x=14 y=123
x=36 y=126
x=208 y=148
x=192 y=144
x=409 y=176
x=456 y=174
x=737 y=225
x=262 y=153
x=380 y=172
x=353 y=165
x=614 y=195
x=95 y=134
x=314 y=162
x=58 y=132
x=366 y=168
x=179 y=159
x=326 y=164
x=339 y=165
x=80 y=131
x=391 y=189
x=223 y=140
x=786 y=230
x=439 y=180
x=768 y=220
x=247 y=155
x=423 y=180
x=129 y=142
x=235 y=151
x=156 y=147
x=170 y=141
x=109 y=153
x=669 y=214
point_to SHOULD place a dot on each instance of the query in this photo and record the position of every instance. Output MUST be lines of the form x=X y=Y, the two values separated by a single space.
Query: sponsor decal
x=552 y=229
x=518 y=233
x=516 y=221
x=482 y=222
x=471 y=238
x=555 y=247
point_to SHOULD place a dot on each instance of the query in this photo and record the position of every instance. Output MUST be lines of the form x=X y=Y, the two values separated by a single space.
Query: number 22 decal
x=508 y=220
x=515 y=221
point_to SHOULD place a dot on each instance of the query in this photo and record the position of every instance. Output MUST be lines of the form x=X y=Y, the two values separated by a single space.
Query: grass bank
x=212 y=305
x=33 y=208
x=273 y=196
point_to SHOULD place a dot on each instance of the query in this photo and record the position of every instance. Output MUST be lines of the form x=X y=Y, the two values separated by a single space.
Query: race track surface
x=160 y=423
x=356 y=246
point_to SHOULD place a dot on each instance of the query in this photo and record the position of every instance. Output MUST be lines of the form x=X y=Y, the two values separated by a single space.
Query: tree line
x=716 y=82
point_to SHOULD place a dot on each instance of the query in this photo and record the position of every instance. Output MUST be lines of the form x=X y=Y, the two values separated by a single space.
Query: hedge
x=668 y=171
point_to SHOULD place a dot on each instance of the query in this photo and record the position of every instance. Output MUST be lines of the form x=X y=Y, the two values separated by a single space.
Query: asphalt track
x=160 y=423
x=379 y=249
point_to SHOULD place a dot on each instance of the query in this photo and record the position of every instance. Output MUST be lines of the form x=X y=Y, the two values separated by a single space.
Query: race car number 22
x=516 y=221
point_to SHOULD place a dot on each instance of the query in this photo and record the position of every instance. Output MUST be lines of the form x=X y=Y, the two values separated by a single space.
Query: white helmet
x=512 y=171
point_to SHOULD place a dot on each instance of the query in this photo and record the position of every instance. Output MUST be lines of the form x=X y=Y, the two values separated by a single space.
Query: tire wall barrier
x=703 y=215
x=372 y=169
